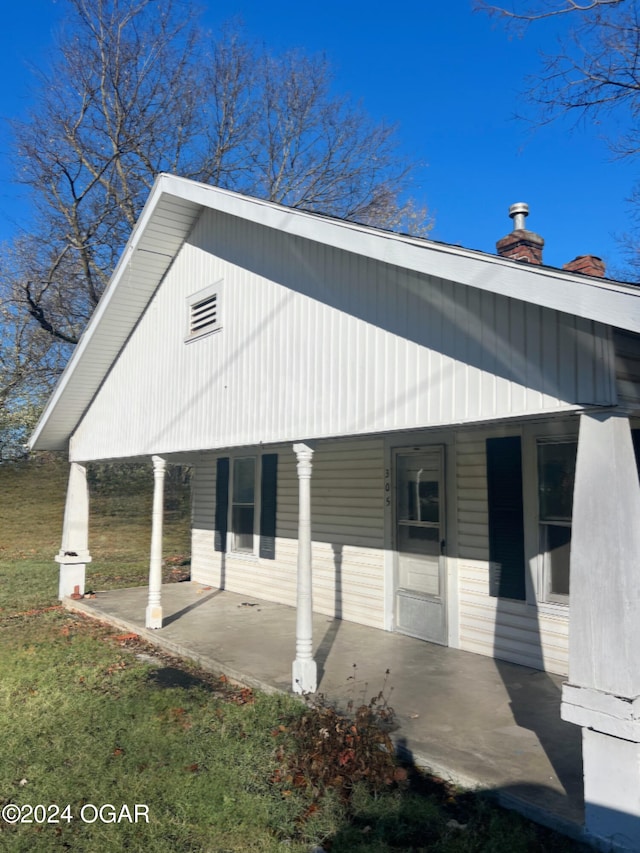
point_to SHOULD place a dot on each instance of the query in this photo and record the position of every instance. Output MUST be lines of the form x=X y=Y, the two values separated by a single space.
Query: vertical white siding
x=627 y=356
x=316 y=342
x=509 y=630
x=347 y=533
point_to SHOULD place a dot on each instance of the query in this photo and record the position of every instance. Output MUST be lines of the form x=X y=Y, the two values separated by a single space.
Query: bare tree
x=117 y=106
x=596 y=68
x=29 y=365
x=594 y=73
x=528 y=12
x=137 y=89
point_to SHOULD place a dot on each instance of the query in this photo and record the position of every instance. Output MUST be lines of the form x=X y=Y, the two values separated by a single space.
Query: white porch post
x=305 y=678
x=74 y=552
x=154 y=607
x=603 y=692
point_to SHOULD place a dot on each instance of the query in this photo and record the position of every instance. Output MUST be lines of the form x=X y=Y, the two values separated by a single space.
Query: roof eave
x=598 y=299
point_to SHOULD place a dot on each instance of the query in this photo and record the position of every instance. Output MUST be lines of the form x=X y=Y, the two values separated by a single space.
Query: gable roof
x=174 y=206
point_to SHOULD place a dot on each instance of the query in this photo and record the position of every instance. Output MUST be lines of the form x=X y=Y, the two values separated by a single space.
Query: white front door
x=420 y=544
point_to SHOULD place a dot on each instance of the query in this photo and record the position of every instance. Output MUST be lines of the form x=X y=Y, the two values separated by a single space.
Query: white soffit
x=173 y=207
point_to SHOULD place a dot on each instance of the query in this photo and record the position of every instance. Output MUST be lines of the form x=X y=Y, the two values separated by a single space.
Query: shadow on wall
x=326 y=644
x=441 y=314
x=561 y=743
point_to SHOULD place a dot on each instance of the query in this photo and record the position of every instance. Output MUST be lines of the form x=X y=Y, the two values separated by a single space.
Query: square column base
x=611 y=791
x=304 y=676
x=71 y=578
x=153 y=617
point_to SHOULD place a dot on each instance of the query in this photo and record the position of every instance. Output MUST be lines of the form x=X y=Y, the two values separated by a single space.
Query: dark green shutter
x=222 y=504
x=268 y=491
x=506 y=518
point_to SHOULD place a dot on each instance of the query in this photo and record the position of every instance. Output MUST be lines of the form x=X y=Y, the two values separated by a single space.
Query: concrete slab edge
x=524 y=807
x=207 y=663
x=539 y=815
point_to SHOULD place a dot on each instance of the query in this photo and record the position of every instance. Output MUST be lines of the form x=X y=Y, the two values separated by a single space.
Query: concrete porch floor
x=478 y=722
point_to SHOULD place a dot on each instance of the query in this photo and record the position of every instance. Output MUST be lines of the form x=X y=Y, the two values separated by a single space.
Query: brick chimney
x=521 y=244
x=587 y=265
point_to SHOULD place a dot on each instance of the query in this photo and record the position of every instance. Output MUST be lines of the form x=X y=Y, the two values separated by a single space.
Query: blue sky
x=452 y=80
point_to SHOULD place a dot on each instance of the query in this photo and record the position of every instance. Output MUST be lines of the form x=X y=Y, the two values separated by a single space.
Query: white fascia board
x=92 y=330
x=613 y=303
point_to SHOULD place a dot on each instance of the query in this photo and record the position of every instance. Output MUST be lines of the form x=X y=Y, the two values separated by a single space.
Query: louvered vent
x=204 y=315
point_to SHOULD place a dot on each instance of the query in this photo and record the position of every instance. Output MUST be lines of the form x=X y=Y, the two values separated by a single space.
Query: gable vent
x=204 y=314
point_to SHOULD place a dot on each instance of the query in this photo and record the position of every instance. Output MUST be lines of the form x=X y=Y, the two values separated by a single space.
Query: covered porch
x=479 y=722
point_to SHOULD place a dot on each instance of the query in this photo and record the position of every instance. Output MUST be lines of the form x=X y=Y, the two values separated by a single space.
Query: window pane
x=242 y=520
x=556 y=473
x=558 y=546
x=419 y=540
x=243 y=481
x=423 y=501
x=418 y=491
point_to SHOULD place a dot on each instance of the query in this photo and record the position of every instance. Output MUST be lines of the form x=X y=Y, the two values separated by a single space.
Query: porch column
x=74 y=551
x=603 y=691
x=154 y=607
x=304 y=669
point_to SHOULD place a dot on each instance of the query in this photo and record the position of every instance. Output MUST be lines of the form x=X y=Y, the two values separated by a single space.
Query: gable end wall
x=316 y=342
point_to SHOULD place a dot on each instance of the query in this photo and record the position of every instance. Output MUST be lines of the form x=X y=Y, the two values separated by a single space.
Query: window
x=236 y=505
x=556 y=475
x=243 y=504
x=204 y=312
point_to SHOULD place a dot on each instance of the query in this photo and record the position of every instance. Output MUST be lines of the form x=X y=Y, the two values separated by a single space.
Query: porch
x=477 y=721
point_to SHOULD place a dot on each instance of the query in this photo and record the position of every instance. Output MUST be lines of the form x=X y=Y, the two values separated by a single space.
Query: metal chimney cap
x=518 y=212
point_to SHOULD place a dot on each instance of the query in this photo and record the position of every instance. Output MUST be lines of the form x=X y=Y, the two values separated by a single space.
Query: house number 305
x=387 y=487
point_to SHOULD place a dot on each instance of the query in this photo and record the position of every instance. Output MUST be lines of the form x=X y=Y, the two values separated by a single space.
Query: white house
x=397 y=432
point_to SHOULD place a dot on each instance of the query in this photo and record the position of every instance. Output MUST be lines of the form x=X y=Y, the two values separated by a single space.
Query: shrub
x=325 y=749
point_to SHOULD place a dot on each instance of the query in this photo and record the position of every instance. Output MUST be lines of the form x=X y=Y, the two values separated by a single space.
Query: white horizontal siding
x=508 y=630
x=347 y=533
x=205 y=568
x=318 y=342
x=348 y=543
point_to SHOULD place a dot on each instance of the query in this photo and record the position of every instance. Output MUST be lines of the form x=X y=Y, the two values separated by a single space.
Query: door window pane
x=419 y=525
x=418 y=491
x=423 y=500
x=419 y=540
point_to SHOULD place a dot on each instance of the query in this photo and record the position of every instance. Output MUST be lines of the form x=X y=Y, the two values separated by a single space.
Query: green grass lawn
x=90 y=717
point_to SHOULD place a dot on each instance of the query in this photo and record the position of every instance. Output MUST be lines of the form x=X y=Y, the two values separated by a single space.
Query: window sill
x=200 y=337
x=243 y=556
x=558 y=609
